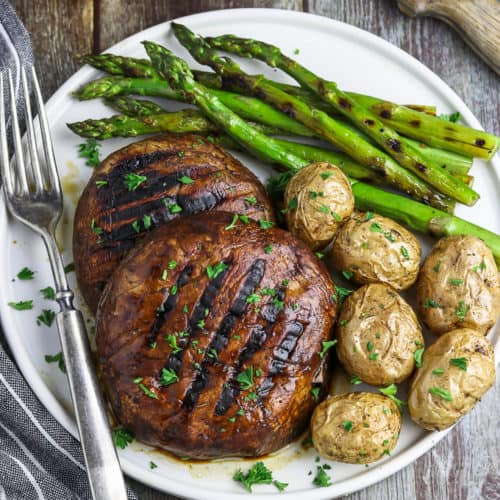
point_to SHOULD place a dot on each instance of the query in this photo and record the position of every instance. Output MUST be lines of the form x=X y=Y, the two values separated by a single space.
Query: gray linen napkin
x=39 y=459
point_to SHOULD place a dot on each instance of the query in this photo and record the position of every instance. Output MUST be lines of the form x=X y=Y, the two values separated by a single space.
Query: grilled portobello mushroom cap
x=146 y=184
x=211 y=335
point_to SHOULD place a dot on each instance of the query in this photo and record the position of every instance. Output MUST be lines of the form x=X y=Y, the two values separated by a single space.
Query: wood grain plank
x=60 y=29
x=122 y=18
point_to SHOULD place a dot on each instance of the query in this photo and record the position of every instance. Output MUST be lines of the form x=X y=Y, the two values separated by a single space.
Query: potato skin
x=465 y=387
x=458 y=286
x=315 y=218
x=375 y=319
x=376 y=423
x=377 y=249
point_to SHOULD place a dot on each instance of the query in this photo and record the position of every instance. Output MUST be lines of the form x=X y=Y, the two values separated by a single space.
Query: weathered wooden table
x=466 y=464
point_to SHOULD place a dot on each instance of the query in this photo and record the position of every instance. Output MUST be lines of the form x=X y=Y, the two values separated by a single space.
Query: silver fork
x=33 y=196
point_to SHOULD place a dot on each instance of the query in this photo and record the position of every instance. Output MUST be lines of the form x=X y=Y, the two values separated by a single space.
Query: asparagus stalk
x=416 y=215
x=439 y=133
x=127 y=66
x=387 y=138
x=141 y=68
x=119 y=127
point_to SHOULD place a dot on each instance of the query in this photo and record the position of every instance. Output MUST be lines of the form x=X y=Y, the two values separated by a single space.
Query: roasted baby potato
x=458 y=286
x=456 y=371
x=317 y=199
x=356 y=428
x=378 y=334
x=370 y=248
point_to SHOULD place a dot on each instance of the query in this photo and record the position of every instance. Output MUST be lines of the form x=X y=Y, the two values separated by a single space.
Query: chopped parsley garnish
x=279 y=485
x=253 y=298
x=315 y=393
x=268 y=249
x=460 y=363
x=245 y=219
x=431 y=303
x=251 y=199
x=452 y=117
x=174 y=208
x=90 y=151
x=245 y=379
x=404 y=253
x=122 y=437
x=437 y=267
x=172 y=265
x=389 y=236
x=293 y=204
x=480 y=267
x=455 y=281
x=100 y=184
x=369 y=346
x=146 y=221
x=95 y=229
x=368 y=216
x=417 y=356
x=185 y=179
x=185 y=309
x=148 y=391
x=322 y=479
x=326 y=175
x=26 y=274
x=278 y=304
x=57 y=358
x=152 y=465
x=343 y=322
x=390 y=391
x=136 y=226
x=326 y=345
x=265 y=224
x=462 y=311
x=319 y=255
x=172 y=342
x=296 y=52
x=133 y=181
x=48 y=293
x=347 y=274
x=347 y=425
x=355 y=380
x=373 y=356
x=233 y=223
x=440 y=392
x=376 y=227
x=214 y=271
x=69 y=268
x=180 y=154
x=168 y=376
x=164 y=275
x=46 y=317
x=201 y=323
x=324 y=209
x=342 y=294
x=22 y=305
x=336 y=216
x=258 y=474
x=438 y=371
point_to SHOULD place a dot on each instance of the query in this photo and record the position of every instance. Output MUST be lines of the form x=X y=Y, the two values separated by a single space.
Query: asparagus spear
x=416 y=215
x=119 y=127
x=322 y=124
x=447 y=135
x=387 y=138
x=127 y=66
x=141 y=68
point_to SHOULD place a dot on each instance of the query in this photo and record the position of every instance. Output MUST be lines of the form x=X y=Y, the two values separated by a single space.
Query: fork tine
x=30 y=134
x=4 y=148
x=47 y=141
x=16 y=134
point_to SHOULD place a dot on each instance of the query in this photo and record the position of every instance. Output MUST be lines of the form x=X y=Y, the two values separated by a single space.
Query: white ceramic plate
x=358 y=61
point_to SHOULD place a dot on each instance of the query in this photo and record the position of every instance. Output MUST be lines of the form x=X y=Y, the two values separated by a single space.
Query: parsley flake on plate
x=122 y=437
x=26 y=274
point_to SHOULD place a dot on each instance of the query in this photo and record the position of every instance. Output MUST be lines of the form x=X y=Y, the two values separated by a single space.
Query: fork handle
x=103 y=467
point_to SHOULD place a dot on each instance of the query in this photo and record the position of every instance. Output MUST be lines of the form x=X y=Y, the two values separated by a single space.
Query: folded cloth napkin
x=39 y=459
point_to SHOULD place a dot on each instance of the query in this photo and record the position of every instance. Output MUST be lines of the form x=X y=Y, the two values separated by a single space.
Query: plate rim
x=165 y=484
